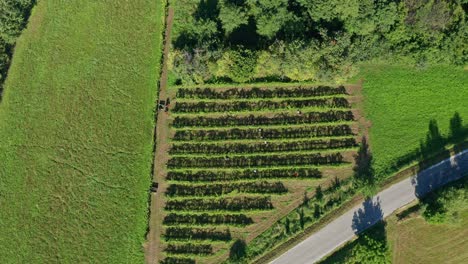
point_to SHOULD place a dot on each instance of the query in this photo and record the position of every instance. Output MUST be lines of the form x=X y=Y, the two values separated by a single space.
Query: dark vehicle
x=154 y=187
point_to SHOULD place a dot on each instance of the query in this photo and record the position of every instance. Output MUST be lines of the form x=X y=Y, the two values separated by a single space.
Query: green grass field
x=76 y=132
x=400 y=101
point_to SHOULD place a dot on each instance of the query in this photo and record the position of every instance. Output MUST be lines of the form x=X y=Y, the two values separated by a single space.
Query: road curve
x=361 y=217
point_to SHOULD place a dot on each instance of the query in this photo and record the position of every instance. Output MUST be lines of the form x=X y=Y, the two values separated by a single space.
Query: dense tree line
x=238 y=106
x=228 y=204
x=297 y=40
x=277 y=119
x=189 y=248
x=210 y=148
x=255 y=160
x=183 y=233
x=13 y=18
x=225 y=188
x=263 y=133
x=207 y=219
x=249 y=93
x=232 y=175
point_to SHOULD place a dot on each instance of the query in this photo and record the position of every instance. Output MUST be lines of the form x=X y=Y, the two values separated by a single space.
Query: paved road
x=370 y=212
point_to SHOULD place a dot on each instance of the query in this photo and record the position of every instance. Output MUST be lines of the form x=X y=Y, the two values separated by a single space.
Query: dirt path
x=153 y=246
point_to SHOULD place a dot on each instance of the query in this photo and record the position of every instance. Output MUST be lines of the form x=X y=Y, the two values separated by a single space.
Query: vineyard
x=242 y=158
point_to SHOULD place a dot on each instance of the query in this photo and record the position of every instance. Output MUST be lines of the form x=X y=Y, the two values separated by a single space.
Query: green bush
x=445 y=205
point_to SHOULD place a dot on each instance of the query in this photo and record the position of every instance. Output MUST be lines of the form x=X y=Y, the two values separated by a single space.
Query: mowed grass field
x=415 y=241
x=76 y=133
x=400 y=101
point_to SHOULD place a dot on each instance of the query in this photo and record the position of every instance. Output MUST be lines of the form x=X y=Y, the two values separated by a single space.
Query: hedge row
x=243 y=93
x=225 y=188
x=264 y=133
x=253 y=120
x=208 y=175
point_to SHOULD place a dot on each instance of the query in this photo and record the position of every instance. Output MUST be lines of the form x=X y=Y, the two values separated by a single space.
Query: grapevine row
x=278 y=119
x=254 y=161
x=227 y=204
x=236 y=106
x=189 y=248
x=264 y=133
x=207 y=219
x=210 y=148
x=197 y=234
x=224 y=188
x=177 y=260
x=206 y=175
x=243 y=93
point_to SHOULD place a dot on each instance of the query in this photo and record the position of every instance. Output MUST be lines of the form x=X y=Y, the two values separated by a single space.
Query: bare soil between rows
x=161 y=134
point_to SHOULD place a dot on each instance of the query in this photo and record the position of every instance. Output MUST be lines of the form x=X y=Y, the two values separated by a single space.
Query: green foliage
x=13 y=17
x=319 y=193
x=320 y=40
x=370 y=248
x=363 y=172
x=238 y=250
x=457 y=131
x=236 y=65
x=447 y=204
x=232 y=16
x=270 y=16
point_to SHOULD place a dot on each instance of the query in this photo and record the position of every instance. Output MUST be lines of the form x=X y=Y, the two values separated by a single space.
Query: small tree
x=305 y=199
x=317 y=211
x=301 y=218
x=363 y=172
x=456 y=127
x=238 y=250
x=319 y=193
x=287 y=225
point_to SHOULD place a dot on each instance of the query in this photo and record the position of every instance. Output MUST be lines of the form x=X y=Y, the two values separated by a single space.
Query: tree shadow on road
x=365 y=217
x=440 y=174
x=371 y=245
x=429 y=178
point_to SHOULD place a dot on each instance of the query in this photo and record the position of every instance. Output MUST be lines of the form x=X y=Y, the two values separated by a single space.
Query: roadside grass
x=399 y=101
x=76 y=133
x=415 y=241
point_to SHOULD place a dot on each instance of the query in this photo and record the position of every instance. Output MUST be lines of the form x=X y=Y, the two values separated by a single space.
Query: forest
x=321 y=40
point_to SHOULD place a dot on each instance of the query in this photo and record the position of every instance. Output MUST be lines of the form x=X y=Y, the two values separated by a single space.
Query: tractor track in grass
x=153 y=247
